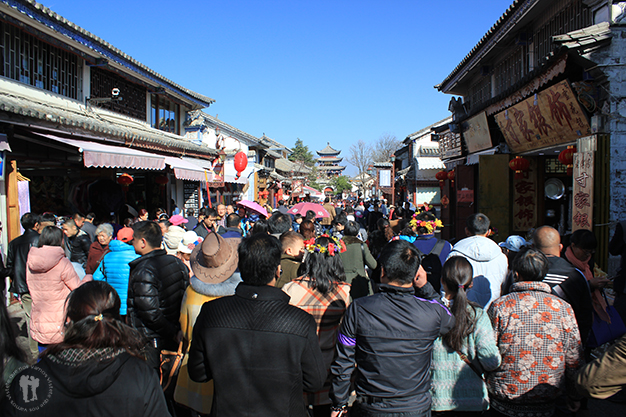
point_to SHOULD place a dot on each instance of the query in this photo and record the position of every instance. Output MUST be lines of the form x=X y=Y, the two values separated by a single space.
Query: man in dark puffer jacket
x=260 y=352
x=156 y=287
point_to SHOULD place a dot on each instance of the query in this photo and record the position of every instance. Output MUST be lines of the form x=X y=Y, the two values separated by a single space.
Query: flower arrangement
x=192 y=245
x=334 y=247
x=429 y=225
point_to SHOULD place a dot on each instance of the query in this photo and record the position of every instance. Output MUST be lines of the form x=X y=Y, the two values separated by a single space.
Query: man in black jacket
x=17 y=256
x=261 y=352
x=567 y=282
x=389 y=337
x=156 y=287
x=77 y=243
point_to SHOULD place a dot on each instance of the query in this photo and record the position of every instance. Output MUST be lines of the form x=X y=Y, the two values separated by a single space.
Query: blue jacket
x=115 y=270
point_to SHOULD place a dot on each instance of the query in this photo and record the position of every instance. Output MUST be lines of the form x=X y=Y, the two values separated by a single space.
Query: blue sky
x=322 y=71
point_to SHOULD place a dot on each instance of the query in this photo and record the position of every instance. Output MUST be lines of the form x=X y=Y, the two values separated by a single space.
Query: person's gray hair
x=106 y=228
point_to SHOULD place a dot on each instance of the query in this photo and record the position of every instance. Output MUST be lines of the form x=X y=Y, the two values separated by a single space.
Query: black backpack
x=432 y=264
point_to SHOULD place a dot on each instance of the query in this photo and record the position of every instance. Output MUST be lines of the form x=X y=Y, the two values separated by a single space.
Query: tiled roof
x=100 y=123
x=47 y=17
x=427 y=130
x=199 y=118
x=328 y=151
x=329 y=159
x=508 y=19
x=286 y=165
x=586 y=37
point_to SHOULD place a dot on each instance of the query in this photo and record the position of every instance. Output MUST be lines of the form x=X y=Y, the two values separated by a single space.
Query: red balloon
x=241 y=161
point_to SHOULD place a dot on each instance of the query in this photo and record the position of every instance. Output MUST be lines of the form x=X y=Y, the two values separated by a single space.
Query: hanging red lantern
x=519 y=165
x=241 y=162
x=162 y=180
x=451 y=176
x=441 y=176
x=566 y=157
x=125 y=180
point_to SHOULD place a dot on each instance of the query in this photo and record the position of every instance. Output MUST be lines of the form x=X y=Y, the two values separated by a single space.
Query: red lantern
x=566 y=157
x=162 y=180
x=519 y=165
x=125 y=180
x=451 y=176
x=441 y=176
x=241 y=162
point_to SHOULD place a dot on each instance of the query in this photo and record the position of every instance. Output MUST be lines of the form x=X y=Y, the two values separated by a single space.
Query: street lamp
x=393 y=179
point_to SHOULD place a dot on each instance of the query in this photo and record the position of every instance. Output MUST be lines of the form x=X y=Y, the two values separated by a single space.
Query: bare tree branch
x=361 y=157
x=384 y=147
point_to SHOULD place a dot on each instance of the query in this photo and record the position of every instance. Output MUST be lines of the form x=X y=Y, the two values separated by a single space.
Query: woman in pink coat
x=50 y=277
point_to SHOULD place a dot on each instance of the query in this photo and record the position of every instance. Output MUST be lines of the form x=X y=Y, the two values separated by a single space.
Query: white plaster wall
x=612 y=60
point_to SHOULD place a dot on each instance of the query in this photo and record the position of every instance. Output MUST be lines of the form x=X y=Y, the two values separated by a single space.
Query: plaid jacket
x=539 y=341
x=327 y=310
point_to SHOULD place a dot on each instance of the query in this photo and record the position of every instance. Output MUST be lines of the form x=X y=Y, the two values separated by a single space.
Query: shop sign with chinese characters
x=548 y=118
x=582 y=210
x=525 y=198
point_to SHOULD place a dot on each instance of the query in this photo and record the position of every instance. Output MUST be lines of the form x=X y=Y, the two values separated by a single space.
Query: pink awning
x=107 y=156
x=185 y=170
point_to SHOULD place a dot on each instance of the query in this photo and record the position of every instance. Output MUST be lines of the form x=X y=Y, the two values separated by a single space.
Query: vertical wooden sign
x=582 y=210
x=525 y=199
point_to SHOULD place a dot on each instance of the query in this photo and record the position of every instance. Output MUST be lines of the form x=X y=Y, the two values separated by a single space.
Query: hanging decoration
x=519 y=165
x=125 y=180
x=442 y=176
x=263 y=194
x=161 y=180
x=241 y=162
x=566 y=157
x=451 y=176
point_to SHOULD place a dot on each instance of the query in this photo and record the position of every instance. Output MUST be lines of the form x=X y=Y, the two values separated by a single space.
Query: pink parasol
x=303 y=207
x=251 y=205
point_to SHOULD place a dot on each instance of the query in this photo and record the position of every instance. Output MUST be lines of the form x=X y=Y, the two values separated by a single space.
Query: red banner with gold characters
x=582 y=204
x=548 y=118
x=525 y=199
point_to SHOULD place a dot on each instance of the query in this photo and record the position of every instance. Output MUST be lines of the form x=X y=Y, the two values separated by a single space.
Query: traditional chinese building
x=536 y=136
x=328 y=166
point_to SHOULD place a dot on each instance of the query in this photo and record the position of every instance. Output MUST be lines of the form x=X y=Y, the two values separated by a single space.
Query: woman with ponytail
x=321 y=291
x=98 y=368
x=467 y=351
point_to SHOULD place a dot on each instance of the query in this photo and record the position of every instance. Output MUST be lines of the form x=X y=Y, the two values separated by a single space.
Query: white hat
x=189 y=241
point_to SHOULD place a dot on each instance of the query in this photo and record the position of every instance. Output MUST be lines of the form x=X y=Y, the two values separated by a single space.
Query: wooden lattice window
x=29 y=60
x=133 y=101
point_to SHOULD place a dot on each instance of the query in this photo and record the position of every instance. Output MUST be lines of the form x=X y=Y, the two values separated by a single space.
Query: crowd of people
x=364 y=311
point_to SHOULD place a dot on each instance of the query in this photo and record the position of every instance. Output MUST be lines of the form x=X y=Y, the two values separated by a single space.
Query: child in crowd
x=291 y=259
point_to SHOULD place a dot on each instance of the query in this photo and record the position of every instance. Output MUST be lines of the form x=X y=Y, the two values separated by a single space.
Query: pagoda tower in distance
x=328 y=166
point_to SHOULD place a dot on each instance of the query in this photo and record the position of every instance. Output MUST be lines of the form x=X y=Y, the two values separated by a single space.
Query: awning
x=426 y=162
x=185 y=170
x=312 y=192
x=206 y=166
x=107 y=156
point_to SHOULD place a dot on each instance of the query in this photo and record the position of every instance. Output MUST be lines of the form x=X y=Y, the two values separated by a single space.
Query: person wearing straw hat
x=214 y=274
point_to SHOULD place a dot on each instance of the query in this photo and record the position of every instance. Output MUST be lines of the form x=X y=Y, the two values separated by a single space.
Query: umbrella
x=303 y=207
x=251 y=205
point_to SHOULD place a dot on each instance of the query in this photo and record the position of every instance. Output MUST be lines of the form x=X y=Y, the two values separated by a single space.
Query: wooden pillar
x=13 y=204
